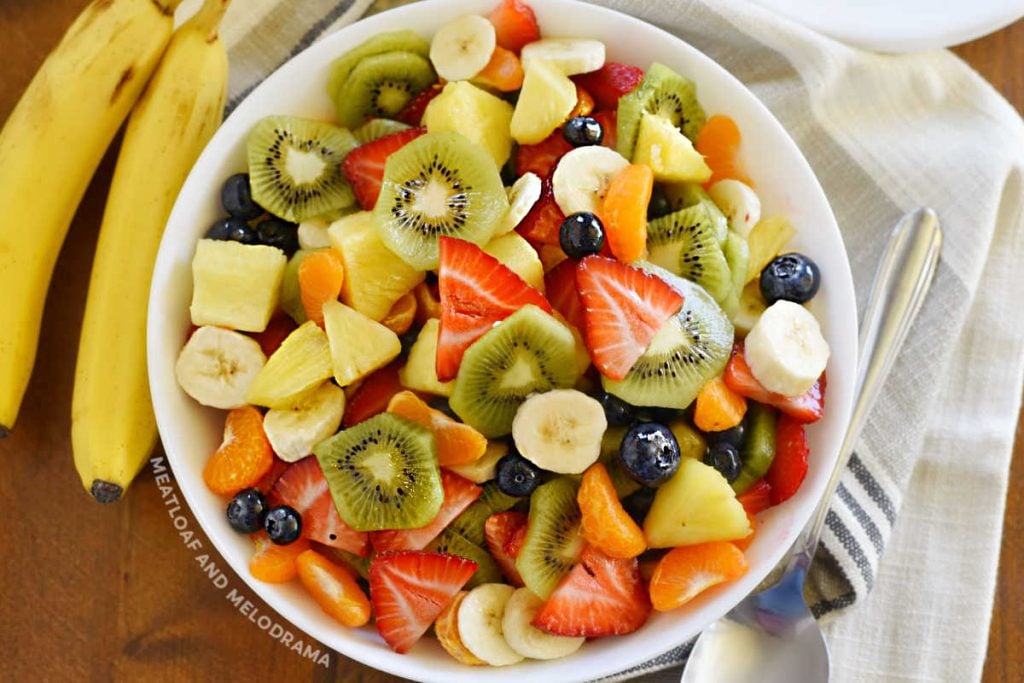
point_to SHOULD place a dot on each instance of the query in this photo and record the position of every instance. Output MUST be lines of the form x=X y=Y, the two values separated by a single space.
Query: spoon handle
x=904 y=276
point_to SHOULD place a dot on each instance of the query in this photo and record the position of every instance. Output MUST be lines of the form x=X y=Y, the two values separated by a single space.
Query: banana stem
x=208 y=18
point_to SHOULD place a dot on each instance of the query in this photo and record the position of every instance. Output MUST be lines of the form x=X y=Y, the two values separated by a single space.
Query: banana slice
x=523 y=194
x=785 y=349
x=560 y=431
x=582 y=177
x=484 y=469
x=216 y=366
x=313 y=234
x=738 y=202
x=570 y=55
x=462 y=47
x=295 y=430
x=480 y=616
x=528 y=640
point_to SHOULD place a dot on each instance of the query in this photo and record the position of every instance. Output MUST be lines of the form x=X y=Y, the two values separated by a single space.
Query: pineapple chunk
x=765 y=241
x=235 y=285
x=294 y=371
x=751 y=306
x=359 y=345
x=485 y=469
x=546 y=100
x=420 y=371
x=374 y=277
x=668 y=152
x=696 y=505
x=476 y=114
x=517 y=255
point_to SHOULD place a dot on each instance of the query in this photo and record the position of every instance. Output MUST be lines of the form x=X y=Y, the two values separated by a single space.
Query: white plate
x=901 y=25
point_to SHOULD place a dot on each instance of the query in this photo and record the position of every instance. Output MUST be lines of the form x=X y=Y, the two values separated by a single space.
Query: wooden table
x=97 y=593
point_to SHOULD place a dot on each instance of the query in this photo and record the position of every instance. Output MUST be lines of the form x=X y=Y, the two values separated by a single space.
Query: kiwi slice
x=689 y=350
x=737 y=255
x=381 y=86
x=553 y=542
x=378 y=128
x=496 y=500
x=528 y=352
x=758 y=448
x=383 y=474
x=438 y=184
x=470 y=523
x=684 y=243
x=391 y=41
x=454 y=543
x=665 y=93
x=360 y=565
x=684 y=195
x=295 y=167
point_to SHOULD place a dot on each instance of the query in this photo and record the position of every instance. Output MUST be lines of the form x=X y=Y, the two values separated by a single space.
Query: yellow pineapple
x=235 y=285
x=476 y=114
x=358 y=344
x=420 y=371
x=668 y=152
x=517 y=255
x=294 y=371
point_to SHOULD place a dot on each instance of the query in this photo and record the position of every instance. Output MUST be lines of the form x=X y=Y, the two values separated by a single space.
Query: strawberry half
x=515 y=24
x=560 y=288
x=542 y=157
x=757 y=498
x=805 y=408
x=364 y=166
x=476 y=291
x=623 y=307
x=410 y=589
x=504 y=533
x=789 y=467
x=543 y=223
x=373 y=395
x=279 y=327
x=601 y=596
x=459 y=494
x=303 y=487
x=412 y=113
x=270 y=478
x=610 y=82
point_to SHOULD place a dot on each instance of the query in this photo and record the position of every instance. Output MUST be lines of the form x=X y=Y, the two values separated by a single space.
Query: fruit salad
x=507 y=348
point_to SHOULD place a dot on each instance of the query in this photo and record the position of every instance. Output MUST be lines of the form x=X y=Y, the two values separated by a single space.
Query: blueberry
x=655 y=414
x=638 y=503
x=582 y=131
x=516 y=475
x=275 y=232
x=246 y=511
x=236 y=198
x=725 y=458
x=792 y=277
x=283 y=524
x=659 y=205
x=232 y=230
x=616 y=411
x=732 y=436
x=649 y=453
x=582 y=234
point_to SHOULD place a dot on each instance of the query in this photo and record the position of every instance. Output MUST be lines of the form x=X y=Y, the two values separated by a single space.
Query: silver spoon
x=771 y=636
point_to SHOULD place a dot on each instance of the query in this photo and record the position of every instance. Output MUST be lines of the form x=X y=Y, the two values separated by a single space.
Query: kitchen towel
x=884 y=134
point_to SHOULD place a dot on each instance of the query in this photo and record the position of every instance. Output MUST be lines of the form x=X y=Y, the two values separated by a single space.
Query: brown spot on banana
x=126 y=76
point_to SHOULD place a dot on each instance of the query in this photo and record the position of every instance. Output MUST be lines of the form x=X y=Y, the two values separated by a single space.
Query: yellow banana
x=113 y=428
x=50 y=147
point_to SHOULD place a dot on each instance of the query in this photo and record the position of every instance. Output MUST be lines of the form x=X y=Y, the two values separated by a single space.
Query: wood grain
x=95 y=593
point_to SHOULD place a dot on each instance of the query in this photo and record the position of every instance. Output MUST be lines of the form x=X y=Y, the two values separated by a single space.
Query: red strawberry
x=608 y=120
x=789 y=467
x=304 y=487
x=364 y=166
x=624 y=307
x=476 y=291
x=542 y=157
x=409 y=589
x=560 y=287
x=601 y=596
x=459 y=494
x=504 y=532
x=757 y=498
x=373 y=395
x=412 y=113
x=279 y=327
x=515 y=24
x=805 y=408
x=610 y=82
x=270 y=478
x=544 y=222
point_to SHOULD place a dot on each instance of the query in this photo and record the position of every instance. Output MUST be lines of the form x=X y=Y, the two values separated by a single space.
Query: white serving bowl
x=786 y=185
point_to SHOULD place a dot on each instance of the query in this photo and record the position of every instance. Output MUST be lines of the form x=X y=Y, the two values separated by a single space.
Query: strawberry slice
x=623 y=308
x=279 y=327
x=601 y=596
x=789 y=467
x=610 y=82
x=608 y=120
x=270 y=478
x=542 y=157
x=544 y=221
x=504 y=533
x=364 y=166
x=515 y=24
x=412 y=113
x=805 y=408
x=560 y=287
x=459 y=494
x=304 y=487
x=410 y=589
x=757 y=498
x=476 y=291
x=373 y=395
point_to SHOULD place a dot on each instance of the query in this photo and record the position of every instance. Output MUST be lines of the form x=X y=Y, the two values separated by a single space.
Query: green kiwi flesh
x=684 y=243
x=360 y=565
x=470 y=523
x=495 y=499
x=737 y=255
x=383 y=474
x=527 y=353
x=392 y=41
x=553 y=542
x=378 y=128
x=438 y=184
x=662 y=92
x=295 y=167
x=381 y=86
x=690 y=349
x=758 y=449
x=454 y=543
x=684 y=195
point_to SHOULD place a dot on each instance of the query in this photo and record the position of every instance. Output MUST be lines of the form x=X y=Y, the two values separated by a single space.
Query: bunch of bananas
x=119 y=57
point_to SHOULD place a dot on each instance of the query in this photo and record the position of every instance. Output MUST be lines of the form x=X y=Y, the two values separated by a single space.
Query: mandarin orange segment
x=624 y=212
x=457 y=443
x=687 y=571
x=719 y=142
x=584 y=103
x=401 y=316
x=446 y=628
x=243 y=457
x=718 y=407
x=272 y=563
x=605 y=524
x=744 y=543
x=504 y=72
x=428 y=302
x=321 y=275
x=334 y=588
